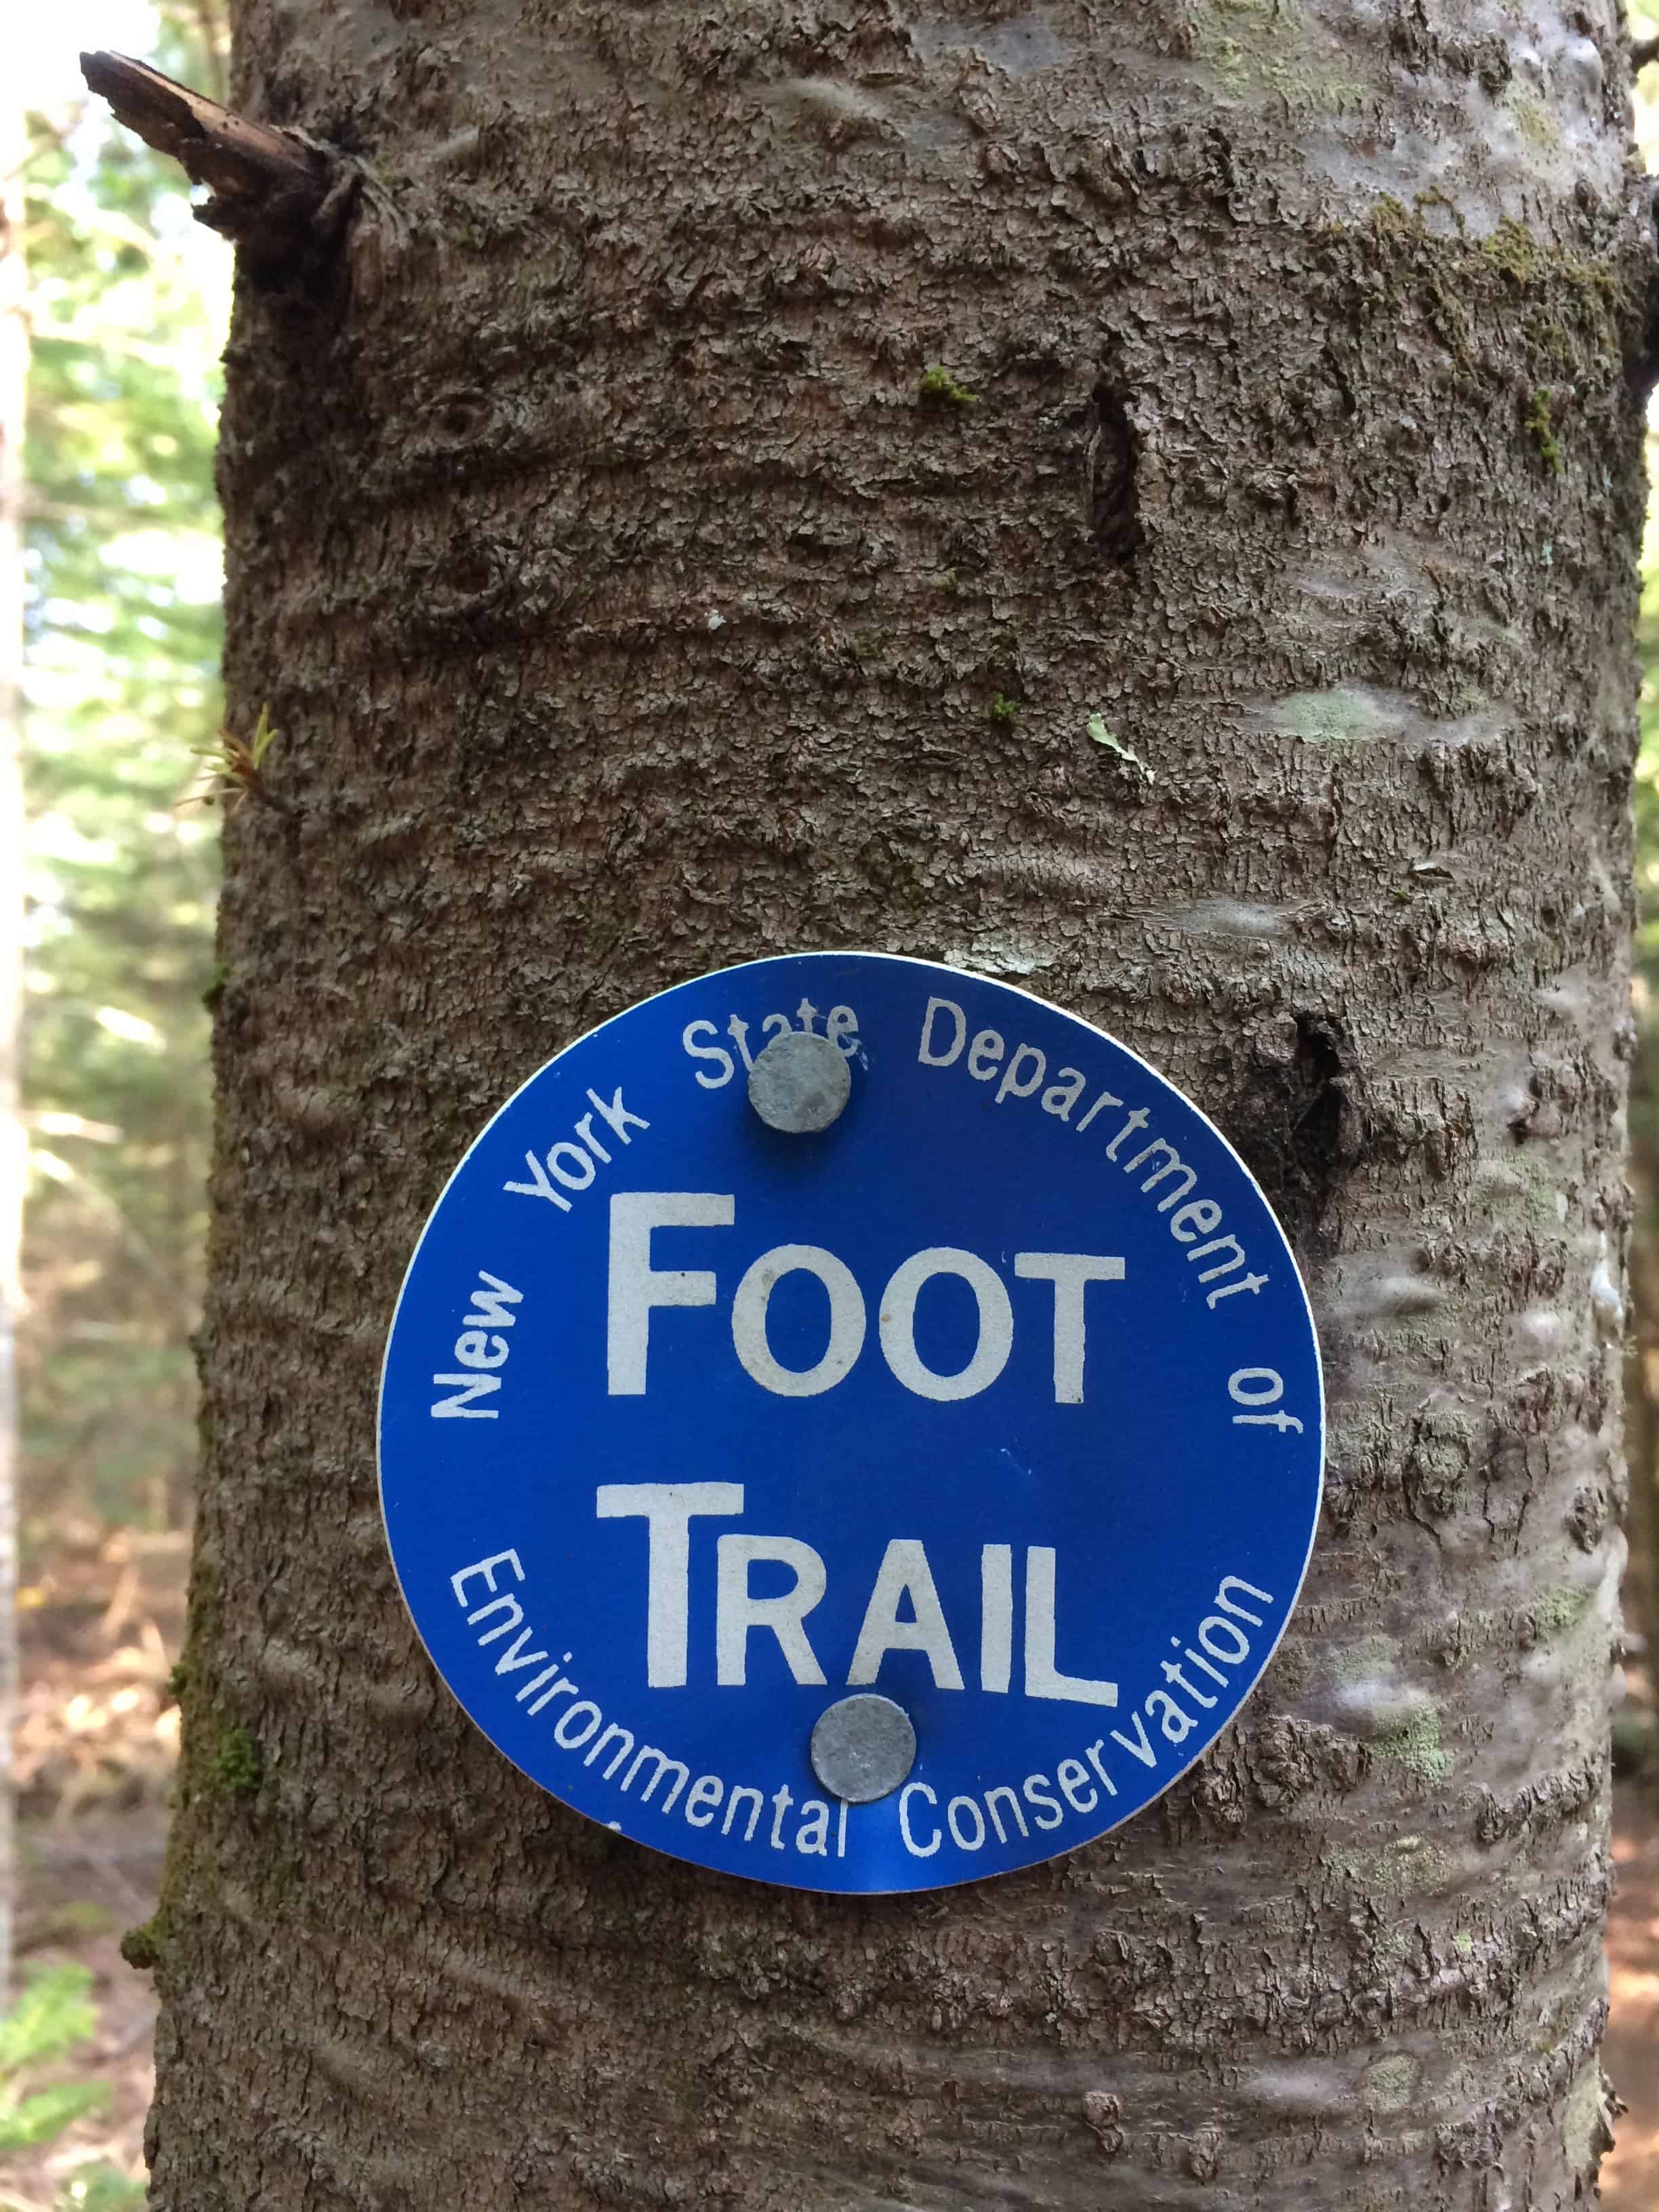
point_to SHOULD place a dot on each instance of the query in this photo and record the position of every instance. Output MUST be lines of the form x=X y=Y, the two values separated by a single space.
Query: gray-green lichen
x=1389 y=2084
x=1341 y=720
x=1559 y=1611
x=1408 y=1865
x=1417 y=1747
x=1269 y=50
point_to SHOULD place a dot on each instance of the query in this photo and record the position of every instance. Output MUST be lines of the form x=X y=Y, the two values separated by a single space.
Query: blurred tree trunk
x=13 y=1150
x=738 y=452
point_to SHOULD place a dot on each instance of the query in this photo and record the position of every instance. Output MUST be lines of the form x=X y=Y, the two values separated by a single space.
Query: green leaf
x=44 y=2116
x=50 y=2018
x=1102 y=736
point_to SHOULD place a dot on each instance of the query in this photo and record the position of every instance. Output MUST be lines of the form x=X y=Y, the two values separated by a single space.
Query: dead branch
x=272 y=190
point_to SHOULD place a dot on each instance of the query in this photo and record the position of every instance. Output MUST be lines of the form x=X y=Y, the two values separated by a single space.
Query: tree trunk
x=1141 y=500
x=1633 y=1733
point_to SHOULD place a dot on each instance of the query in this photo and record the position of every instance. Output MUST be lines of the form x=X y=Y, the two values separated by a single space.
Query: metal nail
x=862 y=1748
x=799 y=1082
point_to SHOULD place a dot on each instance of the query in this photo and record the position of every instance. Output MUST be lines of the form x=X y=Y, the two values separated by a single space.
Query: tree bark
x=736 y=457
x=1641 y=1582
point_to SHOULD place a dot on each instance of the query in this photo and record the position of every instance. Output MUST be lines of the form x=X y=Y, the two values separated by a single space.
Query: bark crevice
x=1111 y=494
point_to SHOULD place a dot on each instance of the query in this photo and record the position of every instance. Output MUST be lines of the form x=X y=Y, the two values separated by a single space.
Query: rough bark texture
x=1641 y=1582
x=632 y=599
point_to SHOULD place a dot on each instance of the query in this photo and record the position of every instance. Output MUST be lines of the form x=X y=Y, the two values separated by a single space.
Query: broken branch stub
x=272 y=193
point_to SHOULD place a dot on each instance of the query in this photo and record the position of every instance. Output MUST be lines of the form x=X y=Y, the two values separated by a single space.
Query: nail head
x=862 y=1748
x=799 y=1082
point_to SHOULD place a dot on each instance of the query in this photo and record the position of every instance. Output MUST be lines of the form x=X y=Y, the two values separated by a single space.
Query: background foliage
x=123 y=649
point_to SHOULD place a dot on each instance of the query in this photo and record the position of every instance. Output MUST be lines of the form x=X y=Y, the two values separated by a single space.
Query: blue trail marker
x=865 y=1487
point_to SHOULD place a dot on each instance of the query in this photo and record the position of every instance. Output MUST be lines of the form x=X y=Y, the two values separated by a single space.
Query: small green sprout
x=234 y=766
x=940 y=389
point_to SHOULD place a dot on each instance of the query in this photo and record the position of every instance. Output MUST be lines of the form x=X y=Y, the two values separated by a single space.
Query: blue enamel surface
x=1166 y=1508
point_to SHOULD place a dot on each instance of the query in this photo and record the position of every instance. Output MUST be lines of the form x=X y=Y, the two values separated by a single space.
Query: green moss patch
x=237 y=1767
x=940 y=388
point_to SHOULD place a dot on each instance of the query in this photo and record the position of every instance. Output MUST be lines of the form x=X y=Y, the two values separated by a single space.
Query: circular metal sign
x=862 y=1484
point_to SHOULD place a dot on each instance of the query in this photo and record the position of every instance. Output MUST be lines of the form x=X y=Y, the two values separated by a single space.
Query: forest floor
x=96 y=1736
x=1630 y=2175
